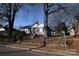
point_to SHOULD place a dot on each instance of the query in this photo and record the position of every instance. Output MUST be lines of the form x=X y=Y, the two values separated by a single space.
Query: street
x=7 y=51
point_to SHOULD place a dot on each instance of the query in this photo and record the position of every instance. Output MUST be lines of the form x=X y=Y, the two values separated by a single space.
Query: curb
x=42 y=51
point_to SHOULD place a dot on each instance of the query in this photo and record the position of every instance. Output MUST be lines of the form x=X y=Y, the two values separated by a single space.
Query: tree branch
x=53 y=11
x=49 y=6
x=3 y=14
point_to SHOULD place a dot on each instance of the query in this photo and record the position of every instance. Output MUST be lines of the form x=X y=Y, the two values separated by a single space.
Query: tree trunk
x=76 y=30
x=10 y=28
x=12 y=23
x=11 y=19
x=75 y=25
x=46 y=20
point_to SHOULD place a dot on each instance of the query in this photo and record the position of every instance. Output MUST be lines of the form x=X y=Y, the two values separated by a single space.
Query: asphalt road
x=7 y=51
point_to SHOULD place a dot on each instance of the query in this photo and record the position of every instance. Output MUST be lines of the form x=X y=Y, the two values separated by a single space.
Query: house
x=71 y=31
x=35 y=28
x=1 y=28
x=38 y=29
x=26 y=29
x=5 y=30
x=2 y=31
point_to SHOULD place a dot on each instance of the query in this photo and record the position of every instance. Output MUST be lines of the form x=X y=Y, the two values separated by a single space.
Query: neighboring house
x=71 y=31
x=34 y=29
x=38 y=29
x=1 y=28
x=4 y=30
x=26 y=29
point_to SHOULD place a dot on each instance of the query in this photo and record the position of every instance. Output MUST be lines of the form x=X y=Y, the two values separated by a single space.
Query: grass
x=34 y=43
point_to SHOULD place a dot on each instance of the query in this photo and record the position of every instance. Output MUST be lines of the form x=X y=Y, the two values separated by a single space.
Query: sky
x=34 y=11
x=27 y=14
x=30 y=12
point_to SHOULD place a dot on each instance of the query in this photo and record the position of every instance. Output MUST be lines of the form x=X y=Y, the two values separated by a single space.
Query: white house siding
x=41 y=31
x=25 y=30
x=72 y=32
x=2 y=29
x=38 y=29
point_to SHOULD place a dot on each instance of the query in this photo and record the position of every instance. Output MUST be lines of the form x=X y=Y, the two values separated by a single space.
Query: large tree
x=8 y=11
x=48 y=10
x=68 y=10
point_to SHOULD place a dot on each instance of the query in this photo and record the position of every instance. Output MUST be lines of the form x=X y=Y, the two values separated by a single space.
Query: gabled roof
x=28 y=27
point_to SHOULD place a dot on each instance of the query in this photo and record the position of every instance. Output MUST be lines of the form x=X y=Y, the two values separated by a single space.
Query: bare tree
x=72 y=11
x=68 y=11
x=46 y=12
x=8 y=11
x=49 y=10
